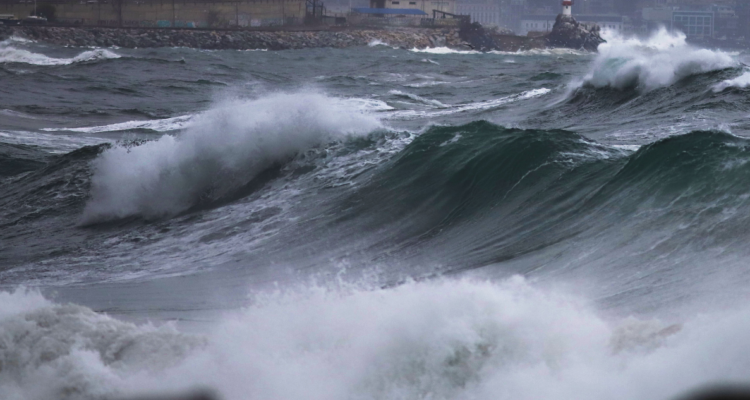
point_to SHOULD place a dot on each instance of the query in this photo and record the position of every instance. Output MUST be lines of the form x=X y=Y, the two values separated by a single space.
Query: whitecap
x=646 y=64
x=221 y=150
x=10 y=54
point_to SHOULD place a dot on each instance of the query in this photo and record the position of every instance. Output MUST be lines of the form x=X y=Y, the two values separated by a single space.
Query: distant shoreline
x=220 y=39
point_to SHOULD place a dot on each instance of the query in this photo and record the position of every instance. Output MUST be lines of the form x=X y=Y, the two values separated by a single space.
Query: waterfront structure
x=427 y=6
x=170 y=13
x=545 y=23
x=567 y=7
x=695 y=22
x=486 y=13
x=742 y=9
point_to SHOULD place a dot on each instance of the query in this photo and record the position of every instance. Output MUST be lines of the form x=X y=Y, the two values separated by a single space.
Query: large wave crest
x=223 y=149
x=646 y=64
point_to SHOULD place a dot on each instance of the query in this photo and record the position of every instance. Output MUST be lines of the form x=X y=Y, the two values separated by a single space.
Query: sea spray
x=647 y=64
x=69 y=352
x=450 y=339
x=222 y=149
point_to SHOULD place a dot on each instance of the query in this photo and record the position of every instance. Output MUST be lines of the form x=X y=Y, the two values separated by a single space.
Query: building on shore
x=544 y=23
x=696 y=22
x=426 y=6
x=486 y=13
x=742 y=10
x=168 y=13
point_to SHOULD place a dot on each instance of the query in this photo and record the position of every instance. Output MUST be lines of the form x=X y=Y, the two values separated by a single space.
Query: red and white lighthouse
x=567 y=7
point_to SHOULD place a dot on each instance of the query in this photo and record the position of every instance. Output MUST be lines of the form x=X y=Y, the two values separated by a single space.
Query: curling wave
x=221 y=151
x=658 y=61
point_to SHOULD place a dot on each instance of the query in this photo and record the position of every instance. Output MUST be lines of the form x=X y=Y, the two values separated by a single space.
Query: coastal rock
x=236 y=39
x=569 y=33
x=480 y=38
x=468 y=36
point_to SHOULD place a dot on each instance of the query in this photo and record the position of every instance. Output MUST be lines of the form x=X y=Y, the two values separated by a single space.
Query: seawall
x=236 y=39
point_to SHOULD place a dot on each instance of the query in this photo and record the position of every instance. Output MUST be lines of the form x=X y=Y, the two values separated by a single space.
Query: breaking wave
x=740 y=82
x=441 y=340
x=66 y=351
x=658 y=61
x=10 y=54
x=222 y=150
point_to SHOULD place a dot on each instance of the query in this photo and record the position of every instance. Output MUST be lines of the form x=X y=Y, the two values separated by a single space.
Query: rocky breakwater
x=236 y=39
x=569 y=33
x=483 y=39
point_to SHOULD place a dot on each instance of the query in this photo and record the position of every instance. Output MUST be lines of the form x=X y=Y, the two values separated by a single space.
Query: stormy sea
x=374 y=222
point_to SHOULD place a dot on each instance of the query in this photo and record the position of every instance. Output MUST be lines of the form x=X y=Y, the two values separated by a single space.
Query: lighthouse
x=567 y=7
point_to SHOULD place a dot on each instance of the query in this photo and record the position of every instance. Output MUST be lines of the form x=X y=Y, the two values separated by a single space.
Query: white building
x=487 y=14
x=694 y=22
x=425 y=5
x=545 y=23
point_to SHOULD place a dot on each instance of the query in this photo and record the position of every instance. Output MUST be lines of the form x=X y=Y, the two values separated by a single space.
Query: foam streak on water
x=10 y=54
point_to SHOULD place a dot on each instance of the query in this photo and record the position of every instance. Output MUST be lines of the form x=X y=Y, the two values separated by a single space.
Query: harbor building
x=168 y=13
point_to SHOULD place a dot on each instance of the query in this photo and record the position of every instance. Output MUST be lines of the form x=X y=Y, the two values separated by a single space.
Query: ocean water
x=374 y=223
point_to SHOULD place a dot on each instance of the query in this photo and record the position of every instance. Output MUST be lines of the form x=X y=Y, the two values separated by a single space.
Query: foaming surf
x=419 y=99
x=477 y=106
x=740 y=82
x=543 y=52
x=161 y=125
x=10 y=54
x=647 y=64
x=443 y=50
x=450 y=339
x=378 y=42
x=222 y=150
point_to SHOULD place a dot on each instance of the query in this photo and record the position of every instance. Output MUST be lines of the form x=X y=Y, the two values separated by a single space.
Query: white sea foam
x=377 y=42
x=159 y=125
x=66 y=352
x=223 y=149
x=10 y=54
x=646 y=64
x=420 y=99
x=53 y=143
x=542 y=52
x=477 y=106
x=366 y=105
x=740 y=82
x=15 y=39
x=440 y=340
x=443 y=50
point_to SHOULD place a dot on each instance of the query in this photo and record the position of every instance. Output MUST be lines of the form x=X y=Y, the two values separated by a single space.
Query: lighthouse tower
x=567 y=7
